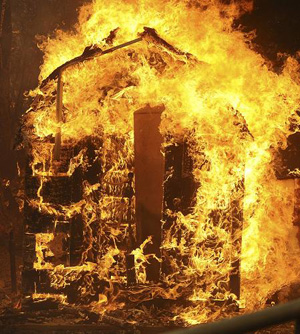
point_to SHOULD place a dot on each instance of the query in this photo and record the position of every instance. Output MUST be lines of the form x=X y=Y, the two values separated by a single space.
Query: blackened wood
x=29 y=279
x=40 y=305
x=179 y=195
x=96 y=285
x=43 y=282
x=77 y=188
x=149 y=177
x=93 y=170
x=38 y=281
x=66 y=154
x=180 y=186
x=60 y=245
x=32 y=184
x=29 y=255
x=76 y=240
x=57 y=190
x=36 y=221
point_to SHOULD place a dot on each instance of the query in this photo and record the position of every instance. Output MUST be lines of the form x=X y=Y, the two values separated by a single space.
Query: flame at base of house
x=158 y=169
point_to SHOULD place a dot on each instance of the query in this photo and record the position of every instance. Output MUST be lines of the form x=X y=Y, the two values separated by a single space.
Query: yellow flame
x=222 y=99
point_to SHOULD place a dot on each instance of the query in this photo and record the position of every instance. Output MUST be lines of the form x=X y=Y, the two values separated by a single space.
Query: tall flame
x=220 y=96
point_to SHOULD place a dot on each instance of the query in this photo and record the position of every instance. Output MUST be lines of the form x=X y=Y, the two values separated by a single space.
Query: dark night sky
x=277 y=24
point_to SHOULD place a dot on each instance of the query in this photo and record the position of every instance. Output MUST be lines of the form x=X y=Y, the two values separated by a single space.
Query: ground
x=9 y=305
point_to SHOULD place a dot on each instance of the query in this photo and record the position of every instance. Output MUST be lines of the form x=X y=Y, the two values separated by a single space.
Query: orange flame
x=222 y=98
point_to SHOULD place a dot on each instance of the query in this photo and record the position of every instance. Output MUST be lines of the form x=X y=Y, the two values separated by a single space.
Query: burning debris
x=151 y=174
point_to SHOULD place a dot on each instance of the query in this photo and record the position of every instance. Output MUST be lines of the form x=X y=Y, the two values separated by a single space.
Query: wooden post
x=149 y=178
x=59 y=104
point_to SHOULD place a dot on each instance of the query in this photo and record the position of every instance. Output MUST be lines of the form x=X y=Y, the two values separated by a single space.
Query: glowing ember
x=227 y=111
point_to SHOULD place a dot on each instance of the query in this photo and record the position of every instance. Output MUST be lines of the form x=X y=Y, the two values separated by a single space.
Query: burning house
x=153 y=168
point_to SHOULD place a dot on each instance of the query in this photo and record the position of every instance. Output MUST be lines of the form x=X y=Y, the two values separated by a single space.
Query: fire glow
x=220 y=100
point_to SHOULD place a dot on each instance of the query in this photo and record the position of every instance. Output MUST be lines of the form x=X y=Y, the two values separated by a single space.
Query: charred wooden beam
x=180 y=186
x=29 y=254
x=130 y=269
x=91 y=52
x=151 y=35
x=76 y=240
x=29 y=279
x=88 y=53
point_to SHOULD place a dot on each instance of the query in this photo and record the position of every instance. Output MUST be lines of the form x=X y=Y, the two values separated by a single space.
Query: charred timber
x=92 y=51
